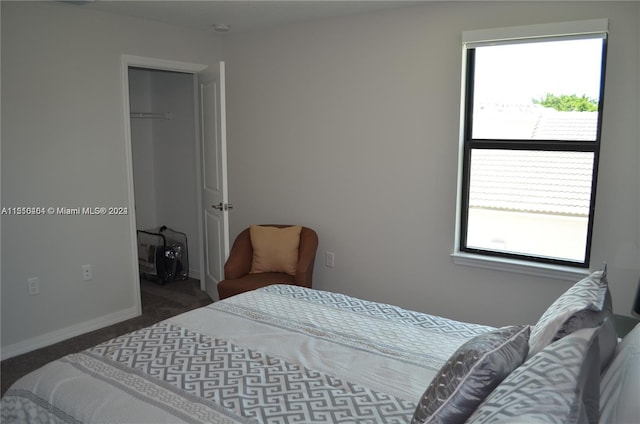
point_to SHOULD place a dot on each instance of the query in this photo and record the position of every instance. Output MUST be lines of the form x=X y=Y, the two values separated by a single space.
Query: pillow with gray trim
x=583 y=305
x=560 y=385
x=470 y=374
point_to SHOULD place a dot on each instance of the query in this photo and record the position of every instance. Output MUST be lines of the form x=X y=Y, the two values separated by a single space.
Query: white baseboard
x=194 y=273
x=66 y=333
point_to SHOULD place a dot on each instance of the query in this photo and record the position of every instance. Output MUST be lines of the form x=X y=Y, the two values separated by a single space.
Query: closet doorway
x=163 y=152
x=177 y=145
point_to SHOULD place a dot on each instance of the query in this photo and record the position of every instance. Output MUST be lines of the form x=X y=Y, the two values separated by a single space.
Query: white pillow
x=620 y=383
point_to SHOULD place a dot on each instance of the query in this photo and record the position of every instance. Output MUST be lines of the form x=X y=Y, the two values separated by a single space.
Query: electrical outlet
x=33 y=284
x=86 y=272
x=329 y=259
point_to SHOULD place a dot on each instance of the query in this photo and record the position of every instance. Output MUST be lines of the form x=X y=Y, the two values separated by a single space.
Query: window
x=532 y=113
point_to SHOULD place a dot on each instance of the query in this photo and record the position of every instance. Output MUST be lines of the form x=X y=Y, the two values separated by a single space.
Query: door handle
x=222 y=206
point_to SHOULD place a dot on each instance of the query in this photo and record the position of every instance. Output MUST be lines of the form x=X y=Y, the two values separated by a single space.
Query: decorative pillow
x=582 y=306
x=471 y=373
x=620 y=383
x=274 y=249
x=607 y=338
x=558 y=385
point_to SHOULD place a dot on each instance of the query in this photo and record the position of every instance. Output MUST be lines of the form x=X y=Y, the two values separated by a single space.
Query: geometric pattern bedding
x=361 y=324
x=275 y=355
x=243 y=380
x=555 y=386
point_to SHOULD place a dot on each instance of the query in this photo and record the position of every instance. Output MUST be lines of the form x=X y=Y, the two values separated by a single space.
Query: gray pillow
x=558 y=385
x=586 y=304
x=607 y=339
x=470 y=374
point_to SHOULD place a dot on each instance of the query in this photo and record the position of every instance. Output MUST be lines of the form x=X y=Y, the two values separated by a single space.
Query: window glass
x=531 y=146
x=530 y=202
x=514 y=86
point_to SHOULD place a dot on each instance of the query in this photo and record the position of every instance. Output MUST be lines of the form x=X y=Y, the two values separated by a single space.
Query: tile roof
x=531 y=181
x=538 y=181
x=554 y=125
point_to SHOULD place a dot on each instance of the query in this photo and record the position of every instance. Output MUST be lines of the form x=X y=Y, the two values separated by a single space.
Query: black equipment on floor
x=163 y=255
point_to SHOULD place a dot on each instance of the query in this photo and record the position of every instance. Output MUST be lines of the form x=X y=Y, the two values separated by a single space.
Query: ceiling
x=239 y=15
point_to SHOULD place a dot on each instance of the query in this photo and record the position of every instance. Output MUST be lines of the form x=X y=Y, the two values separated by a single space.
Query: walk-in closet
x=163 y=134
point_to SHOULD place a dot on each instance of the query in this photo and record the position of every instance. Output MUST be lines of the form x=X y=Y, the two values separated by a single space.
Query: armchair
x=237 y=269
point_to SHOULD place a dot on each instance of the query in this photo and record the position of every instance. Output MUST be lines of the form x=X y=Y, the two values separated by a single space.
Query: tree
x=568 y=103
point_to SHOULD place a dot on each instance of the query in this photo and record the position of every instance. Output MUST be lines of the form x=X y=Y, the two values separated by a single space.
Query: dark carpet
x=158 y=302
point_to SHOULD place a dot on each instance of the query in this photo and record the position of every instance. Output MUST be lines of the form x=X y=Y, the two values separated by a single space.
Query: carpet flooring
x=158 y=302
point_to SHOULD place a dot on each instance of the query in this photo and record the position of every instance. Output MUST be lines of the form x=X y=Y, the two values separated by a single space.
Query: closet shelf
x=151 y=115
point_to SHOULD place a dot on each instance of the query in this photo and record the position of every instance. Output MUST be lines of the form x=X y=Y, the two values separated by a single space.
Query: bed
x=280 y=354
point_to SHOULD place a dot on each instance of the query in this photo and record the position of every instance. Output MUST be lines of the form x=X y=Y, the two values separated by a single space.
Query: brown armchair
x=238 y=278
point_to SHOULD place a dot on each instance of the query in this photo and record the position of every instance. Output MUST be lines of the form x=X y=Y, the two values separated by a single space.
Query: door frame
x=162 y=65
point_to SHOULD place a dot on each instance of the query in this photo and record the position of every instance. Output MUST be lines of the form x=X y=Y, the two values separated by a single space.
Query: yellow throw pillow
x=275 y=249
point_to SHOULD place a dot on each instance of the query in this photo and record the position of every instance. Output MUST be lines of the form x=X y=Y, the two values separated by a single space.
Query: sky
x=516 y=73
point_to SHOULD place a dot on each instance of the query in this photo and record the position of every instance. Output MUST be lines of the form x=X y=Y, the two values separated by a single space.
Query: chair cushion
x=274 y=249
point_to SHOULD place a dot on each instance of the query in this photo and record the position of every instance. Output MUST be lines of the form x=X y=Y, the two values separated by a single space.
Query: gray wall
x=351 y=126
x=63 y=144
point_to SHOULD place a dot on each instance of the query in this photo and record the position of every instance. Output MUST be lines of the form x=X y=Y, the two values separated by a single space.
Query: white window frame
x=477 y=38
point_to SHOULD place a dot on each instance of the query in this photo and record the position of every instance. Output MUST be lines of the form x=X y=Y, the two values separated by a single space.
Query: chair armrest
x=306 y=257
x=239 y=262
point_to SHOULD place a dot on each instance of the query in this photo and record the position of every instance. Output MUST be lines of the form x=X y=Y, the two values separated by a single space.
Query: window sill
x=521 y=267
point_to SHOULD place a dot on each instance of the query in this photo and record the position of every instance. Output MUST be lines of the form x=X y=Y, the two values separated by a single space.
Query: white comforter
x=280 y=354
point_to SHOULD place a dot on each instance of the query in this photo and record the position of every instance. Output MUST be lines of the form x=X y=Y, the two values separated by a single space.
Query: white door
x=215 y=206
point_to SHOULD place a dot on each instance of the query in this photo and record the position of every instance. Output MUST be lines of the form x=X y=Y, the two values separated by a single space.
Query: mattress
x=279 y=354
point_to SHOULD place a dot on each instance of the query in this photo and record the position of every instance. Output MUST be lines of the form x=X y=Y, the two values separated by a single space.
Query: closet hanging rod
x=151 y=115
